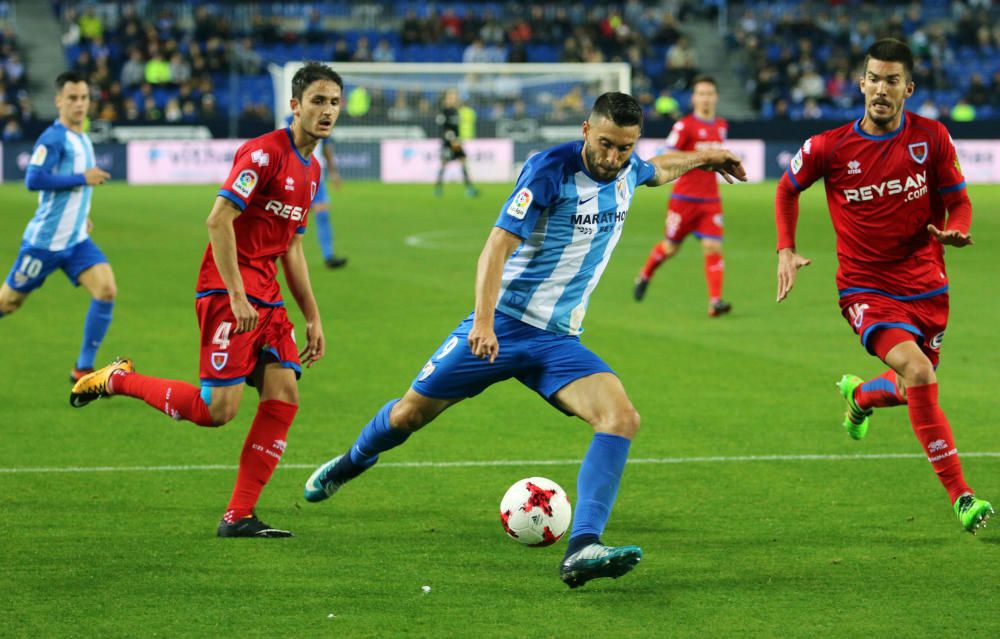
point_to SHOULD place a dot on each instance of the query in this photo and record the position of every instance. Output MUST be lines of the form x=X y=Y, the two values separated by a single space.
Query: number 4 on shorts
x=221 y=338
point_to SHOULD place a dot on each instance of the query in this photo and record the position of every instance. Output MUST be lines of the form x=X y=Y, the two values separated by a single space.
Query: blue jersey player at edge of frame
x=64 y=171
x=542 y=260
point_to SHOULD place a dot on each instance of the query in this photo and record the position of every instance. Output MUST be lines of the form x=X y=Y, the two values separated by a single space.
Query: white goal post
x=401 y=100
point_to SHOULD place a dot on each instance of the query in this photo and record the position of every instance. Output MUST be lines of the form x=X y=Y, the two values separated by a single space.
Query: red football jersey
x=882 y=192
x=691 y=133
x=274 y=187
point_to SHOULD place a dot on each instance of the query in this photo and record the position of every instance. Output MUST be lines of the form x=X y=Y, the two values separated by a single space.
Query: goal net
x=504 y=107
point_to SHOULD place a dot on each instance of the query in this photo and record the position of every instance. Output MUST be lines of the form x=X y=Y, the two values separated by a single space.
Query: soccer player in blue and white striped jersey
x=63 y=170
x=541 y=262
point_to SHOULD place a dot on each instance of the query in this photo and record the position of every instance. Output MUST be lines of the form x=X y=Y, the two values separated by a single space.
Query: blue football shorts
x=33 y=265
x=321 y=195
x=541 y=360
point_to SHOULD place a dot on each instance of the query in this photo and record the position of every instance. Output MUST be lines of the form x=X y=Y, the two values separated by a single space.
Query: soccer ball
x=535 y=511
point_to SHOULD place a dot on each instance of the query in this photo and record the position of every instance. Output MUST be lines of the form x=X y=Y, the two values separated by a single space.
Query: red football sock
x=932 y=429
x=261 y=452
x=179 y=400
x=715 y=268
x=656 y=257
x=879 y=392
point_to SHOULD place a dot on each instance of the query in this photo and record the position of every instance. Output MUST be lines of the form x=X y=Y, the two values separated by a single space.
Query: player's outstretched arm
x=297 y=277
x=332 y=170
x=671 y=166
x=223 y=239
x=489 y=272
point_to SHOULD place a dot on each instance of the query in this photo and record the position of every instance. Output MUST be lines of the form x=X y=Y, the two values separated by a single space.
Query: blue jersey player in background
x=320 y=211
x=541 y=262
x=63 y=170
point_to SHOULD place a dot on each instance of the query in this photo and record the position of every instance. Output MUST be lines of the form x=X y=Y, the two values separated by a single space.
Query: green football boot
x=856 y=419
x=972 y=512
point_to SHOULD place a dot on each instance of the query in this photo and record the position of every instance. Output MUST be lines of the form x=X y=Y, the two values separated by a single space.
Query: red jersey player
x=259 y=217
x=694 y=205
x=890 y=178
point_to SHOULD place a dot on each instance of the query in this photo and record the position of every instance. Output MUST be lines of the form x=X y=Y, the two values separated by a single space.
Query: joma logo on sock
x=936 y=445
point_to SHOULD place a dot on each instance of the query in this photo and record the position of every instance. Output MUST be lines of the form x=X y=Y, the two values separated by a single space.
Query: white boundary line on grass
x=495 y=463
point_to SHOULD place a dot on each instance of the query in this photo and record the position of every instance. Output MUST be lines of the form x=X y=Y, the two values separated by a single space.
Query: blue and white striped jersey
x=60 y=220
x=570 y=223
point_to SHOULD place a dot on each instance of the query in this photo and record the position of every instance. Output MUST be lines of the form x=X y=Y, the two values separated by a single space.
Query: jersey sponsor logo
x=796 y=164
x=519 y=206
x=287 y=211
x=219 y=359
x=260 y=158
x=854 y=167
x=915 y=187
x=918 y=151
x=245 y=182
x=38 y=157
x=807 y=147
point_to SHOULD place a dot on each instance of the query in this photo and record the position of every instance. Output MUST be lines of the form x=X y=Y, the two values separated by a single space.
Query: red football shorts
x=924 y=318
x=704 y=219
x=228 y=357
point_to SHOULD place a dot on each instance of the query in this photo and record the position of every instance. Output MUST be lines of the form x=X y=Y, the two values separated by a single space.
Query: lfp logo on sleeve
x=519 y=206
x=245 y=182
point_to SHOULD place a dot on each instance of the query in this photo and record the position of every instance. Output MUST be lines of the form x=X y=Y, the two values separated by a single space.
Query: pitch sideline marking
x=495 y=463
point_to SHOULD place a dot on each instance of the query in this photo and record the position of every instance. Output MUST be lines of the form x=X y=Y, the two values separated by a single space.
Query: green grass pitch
x=105 y=534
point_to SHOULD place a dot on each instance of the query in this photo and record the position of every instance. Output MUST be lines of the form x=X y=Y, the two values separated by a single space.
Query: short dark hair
x=311 y=72
x=698 y=79
x=69 y=76
x=620 y=108
x=891 y=50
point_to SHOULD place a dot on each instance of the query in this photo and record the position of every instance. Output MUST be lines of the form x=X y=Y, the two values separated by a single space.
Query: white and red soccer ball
x=535 y=511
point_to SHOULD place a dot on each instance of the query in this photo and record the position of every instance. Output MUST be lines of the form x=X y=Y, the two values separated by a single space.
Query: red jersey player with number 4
x=890 y=179
x=258 y=218
x=694 y=206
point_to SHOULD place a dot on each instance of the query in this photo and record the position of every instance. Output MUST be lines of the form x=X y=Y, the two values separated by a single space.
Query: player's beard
x=595 y=167
x=882 y=120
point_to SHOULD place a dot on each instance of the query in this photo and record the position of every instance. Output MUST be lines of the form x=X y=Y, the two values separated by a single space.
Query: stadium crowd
x=15 y=103
x=171 y=62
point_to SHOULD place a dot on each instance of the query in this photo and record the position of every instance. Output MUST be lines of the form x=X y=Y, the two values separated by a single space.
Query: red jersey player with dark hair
x=694 y=205
x=896 y=195
x=258 y=218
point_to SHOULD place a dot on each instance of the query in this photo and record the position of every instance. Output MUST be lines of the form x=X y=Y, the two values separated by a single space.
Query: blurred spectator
x=157 y=70
x=682 y=65
x=929 y=110
x=12 y=131
x=451 y=25
x=811 y=110
x=475 y=53
x=362 y=52
x=341 y=53
x=91 y=25
x=667 y=105
x=781 y=110
x=963 y=111
x=401 y=110
x=978 y=94
x=172 y=112
x=411 y=32
x=383 y=52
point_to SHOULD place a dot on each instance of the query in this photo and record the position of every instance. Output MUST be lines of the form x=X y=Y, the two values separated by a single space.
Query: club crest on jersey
x=245 y=182
x=219 y=359
x=312 y=190
x=918 y=151
x=260 y=158
x=519 y=205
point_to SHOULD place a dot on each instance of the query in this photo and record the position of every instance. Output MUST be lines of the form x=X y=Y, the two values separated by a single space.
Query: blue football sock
x=376 y=437
x=597 y=484
x=95 y=327
x=324 y=233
